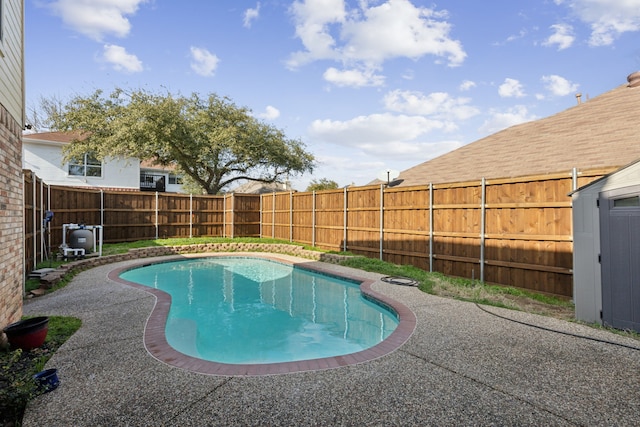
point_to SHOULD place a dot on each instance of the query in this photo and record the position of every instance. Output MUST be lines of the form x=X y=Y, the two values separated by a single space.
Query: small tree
x=210 y=140
x=322 y=184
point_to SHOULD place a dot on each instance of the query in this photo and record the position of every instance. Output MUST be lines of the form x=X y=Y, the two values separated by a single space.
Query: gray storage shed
x=606 y=249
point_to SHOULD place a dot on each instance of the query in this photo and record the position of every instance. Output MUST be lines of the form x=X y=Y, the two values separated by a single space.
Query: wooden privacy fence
x=130 y=216
x=514 y=232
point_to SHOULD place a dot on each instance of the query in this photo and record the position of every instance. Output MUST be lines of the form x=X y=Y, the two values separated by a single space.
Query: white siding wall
x=45 y=160
x=12 y=59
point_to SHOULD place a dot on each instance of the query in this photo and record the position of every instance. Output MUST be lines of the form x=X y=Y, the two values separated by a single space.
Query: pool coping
x=157 y=346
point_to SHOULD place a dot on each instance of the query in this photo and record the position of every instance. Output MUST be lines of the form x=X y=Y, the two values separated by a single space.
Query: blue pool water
x=251 y=310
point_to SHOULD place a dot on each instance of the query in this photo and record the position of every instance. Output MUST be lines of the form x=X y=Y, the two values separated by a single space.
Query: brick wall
x=11 y=220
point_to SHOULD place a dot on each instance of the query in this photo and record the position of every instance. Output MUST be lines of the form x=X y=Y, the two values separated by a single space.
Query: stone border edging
x=49 y=280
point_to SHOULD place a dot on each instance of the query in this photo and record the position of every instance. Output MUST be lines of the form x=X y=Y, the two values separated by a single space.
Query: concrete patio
x=461 y=366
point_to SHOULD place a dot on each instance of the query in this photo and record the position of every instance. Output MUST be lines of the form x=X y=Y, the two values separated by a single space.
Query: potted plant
x=28 y=333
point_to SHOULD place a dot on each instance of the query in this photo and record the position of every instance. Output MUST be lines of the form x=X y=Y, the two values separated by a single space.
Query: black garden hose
x=399 y=280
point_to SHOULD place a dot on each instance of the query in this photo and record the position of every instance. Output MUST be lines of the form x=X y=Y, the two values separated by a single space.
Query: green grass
x=470 y=290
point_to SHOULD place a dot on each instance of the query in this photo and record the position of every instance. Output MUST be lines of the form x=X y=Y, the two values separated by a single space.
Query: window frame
x=80 y=168
x=175 y=179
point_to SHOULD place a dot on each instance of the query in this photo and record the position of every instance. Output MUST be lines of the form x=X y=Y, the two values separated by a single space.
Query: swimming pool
x=245 y=312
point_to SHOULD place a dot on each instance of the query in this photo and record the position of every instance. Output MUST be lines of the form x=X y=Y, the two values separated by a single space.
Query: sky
x=368 y=86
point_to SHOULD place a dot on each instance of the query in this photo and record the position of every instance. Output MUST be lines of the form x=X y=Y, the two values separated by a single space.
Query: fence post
x=483 y=215
x=290 y=216
x=233 y=212
x=24 y=246
x=102 y=208
x=344 y=239
x=273 y=216
x=191 y=215
x=49 y=253
x=157 y=215
x=313 y=218
x=42 y=242
x=431 y=227
x=381 y=221
x=224 y=215
x=261 y=218
x=35 y=222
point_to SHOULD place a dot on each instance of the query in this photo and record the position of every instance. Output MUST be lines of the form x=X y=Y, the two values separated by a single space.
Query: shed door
x=620 y=257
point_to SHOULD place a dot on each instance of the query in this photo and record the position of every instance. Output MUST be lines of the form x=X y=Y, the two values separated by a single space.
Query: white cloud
x=499 y=120
x=608 y=19
x=251 y=15
x=466 y=85
x=511 y=88
x=203 y=62
x=312 y=19
x=562 y=36
x=118 y=57
x=376 y=130
x=99 y=18
x=370 y=35
x=270 y=113
x=438 y=105
x=559 y=86
x=384 y=136
x=354 y=78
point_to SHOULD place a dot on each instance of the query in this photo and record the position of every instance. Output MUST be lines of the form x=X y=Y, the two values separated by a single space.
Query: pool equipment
x=82 y=240
x=46 y=225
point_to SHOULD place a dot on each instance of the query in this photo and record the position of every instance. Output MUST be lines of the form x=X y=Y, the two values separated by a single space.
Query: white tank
x=81 y=238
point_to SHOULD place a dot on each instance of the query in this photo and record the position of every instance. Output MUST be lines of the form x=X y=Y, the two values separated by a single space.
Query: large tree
x=211 y=140
x=322 y=184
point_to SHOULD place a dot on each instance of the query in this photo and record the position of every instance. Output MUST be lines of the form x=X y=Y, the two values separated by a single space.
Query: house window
x=175 y=179
x=87 y=165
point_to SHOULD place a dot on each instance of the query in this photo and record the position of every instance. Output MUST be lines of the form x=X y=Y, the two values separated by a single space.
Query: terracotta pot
x=27 y=334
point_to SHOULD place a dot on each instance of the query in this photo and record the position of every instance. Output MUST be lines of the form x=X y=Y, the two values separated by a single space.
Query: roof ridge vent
x=634 y=79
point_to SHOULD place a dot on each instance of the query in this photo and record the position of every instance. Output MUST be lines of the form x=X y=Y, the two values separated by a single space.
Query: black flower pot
x=28 y=333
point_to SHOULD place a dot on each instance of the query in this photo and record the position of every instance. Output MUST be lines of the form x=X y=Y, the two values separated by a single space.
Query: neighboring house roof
x=602 y=132
x=61 y=137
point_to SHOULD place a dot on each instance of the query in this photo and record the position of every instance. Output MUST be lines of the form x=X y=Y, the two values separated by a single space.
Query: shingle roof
x=63 y=137
x=602 y=132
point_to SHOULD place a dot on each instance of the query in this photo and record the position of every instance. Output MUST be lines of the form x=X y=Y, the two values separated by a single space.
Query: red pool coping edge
x=156 y=343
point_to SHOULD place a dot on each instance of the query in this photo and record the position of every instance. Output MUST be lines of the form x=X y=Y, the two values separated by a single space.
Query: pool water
x=241 y=310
